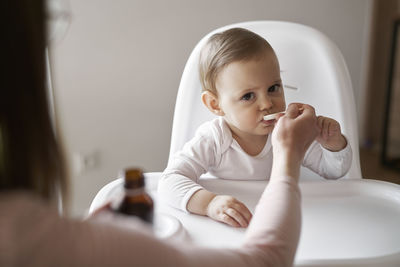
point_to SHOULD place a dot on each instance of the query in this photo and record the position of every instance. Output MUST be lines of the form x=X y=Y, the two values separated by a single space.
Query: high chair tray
x=352 y=222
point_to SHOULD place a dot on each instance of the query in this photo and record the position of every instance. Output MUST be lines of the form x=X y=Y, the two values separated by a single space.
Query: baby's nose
x=265 y=103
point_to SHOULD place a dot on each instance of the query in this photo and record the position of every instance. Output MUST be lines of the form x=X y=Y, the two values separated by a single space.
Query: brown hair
x=30 y=158
x=223 y=48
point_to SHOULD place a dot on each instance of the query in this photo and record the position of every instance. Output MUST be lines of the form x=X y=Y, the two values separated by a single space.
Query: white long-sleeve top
x=213 y=150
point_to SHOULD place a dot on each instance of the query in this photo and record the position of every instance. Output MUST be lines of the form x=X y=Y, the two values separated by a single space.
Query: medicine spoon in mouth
x=273 y=116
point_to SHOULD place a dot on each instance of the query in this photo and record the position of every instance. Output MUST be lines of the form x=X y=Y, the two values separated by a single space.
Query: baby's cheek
x=284 y=105
x=280 y=103
x=247 y=119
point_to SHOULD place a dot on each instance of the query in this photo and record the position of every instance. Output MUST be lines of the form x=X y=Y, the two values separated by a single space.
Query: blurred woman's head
x=30 y=158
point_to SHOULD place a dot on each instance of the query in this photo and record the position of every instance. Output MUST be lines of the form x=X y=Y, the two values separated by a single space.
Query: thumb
x=293 y=110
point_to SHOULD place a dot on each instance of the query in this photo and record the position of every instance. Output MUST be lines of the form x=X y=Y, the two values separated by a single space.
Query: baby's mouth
x=269 y=122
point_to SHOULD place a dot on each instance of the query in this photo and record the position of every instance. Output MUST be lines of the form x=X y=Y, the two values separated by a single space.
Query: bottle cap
x=133 y=178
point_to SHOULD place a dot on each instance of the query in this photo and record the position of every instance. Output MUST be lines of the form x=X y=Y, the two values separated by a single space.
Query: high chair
x=348 y=222
x=313 y=71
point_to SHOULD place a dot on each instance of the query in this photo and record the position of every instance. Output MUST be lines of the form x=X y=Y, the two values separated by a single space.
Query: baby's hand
x=229 y=210
x=330 y=136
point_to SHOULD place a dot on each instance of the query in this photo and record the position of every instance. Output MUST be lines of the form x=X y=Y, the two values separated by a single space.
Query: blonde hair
x=223 y=48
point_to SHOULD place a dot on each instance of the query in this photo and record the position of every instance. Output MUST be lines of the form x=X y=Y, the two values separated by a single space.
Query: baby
x=241 y=82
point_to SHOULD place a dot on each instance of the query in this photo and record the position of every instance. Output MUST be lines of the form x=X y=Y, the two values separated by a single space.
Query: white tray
x=353 y=222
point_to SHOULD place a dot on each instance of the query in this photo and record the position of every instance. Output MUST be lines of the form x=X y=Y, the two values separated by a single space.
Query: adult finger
x=293 y=110
x=308 y=117
x=237 y=217
x=279 y=115
x=307 y=110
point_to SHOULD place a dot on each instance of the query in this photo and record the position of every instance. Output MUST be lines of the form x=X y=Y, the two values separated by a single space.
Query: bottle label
x=134 y=192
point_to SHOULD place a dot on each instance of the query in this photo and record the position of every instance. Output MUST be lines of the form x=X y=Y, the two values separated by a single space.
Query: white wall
x=117 y=70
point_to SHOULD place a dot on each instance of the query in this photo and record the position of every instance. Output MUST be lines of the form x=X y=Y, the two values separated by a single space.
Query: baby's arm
x=330 y=135
x=179 y=188
x=330 y=155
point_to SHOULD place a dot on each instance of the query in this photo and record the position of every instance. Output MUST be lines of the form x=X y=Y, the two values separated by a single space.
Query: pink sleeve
x=275 y=227
x=271 y=239
x=41 y=238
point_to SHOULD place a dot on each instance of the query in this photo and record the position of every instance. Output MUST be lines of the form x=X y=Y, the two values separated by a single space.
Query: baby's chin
x=266 y=132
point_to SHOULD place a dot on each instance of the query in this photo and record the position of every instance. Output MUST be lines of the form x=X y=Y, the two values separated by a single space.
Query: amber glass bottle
x=136 y=201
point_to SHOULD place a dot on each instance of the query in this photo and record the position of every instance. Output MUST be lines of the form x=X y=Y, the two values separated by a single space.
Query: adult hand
x=229 y=210
x=294 y=132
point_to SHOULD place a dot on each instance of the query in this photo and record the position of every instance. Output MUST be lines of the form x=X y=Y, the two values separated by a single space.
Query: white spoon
x=273 y=116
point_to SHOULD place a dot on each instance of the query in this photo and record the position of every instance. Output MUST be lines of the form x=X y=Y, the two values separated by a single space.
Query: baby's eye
x=248 y=96
x=274 y=88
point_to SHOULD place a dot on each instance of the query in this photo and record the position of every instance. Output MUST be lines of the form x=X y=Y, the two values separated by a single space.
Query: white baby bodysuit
x=213 y=150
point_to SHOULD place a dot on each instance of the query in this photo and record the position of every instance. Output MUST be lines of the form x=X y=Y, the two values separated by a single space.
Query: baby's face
x=249 y=90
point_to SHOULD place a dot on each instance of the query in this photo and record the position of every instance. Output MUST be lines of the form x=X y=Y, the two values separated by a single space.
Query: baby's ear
x=210 y=100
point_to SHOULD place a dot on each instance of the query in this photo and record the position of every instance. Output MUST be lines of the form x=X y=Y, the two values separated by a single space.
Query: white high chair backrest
x=313 y=72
